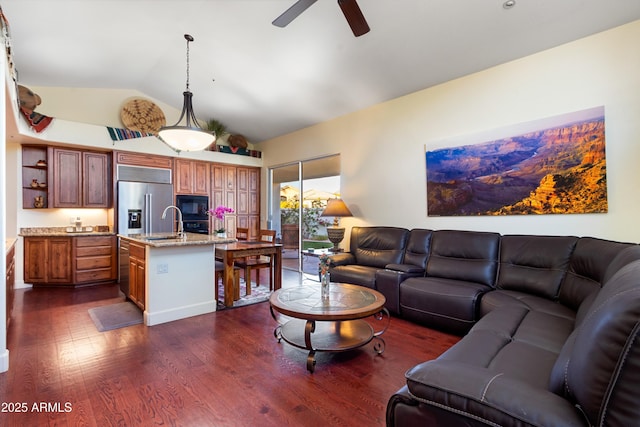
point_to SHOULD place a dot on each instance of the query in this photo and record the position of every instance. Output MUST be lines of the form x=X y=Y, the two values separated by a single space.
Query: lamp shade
x=336 y=208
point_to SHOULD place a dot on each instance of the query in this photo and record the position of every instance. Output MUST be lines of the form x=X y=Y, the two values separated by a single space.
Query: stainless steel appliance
x=194 y=213
x=143 y=193
x=140 y=206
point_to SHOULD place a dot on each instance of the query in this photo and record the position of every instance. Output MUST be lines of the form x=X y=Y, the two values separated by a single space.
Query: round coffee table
x=328 y=324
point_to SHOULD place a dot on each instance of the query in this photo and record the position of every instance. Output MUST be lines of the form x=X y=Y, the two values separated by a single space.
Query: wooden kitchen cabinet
x=81 y=179
x=223 y=186
x=70 y=261
x=191 y=177
x=47 y=260
x=248 y=199
x=10 y=282
x=96 y=189
x=138 y=159
x=95 y=259
x=137 y=273
x=238 y=187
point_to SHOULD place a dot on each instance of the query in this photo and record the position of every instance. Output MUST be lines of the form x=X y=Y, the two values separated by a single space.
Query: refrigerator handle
x=148 y=208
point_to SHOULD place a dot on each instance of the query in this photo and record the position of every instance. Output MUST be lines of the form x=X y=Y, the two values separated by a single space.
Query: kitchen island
x=172 y=277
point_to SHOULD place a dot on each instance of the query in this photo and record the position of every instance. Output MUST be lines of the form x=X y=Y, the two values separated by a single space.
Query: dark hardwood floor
x=220 y=369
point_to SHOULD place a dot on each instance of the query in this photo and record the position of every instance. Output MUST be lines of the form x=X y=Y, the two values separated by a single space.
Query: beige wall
x=382 y=148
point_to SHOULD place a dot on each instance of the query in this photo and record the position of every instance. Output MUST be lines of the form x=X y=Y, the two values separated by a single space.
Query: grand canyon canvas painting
x=555 y=166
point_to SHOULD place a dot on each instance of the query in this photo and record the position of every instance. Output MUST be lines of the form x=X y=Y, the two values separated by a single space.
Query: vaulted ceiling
x=263 y=81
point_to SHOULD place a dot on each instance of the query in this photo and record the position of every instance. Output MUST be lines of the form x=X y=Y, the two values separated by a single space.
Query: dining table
x=246 y=248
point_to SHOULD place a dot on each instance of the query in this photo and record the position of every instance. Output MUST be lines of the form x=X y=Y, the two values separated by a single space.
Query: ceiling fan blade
x=354 y=16
x=292 y=13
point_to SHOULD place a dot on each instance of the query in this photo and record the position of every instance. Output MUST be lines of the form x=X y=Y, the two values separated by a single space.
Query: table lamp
x=337 y=209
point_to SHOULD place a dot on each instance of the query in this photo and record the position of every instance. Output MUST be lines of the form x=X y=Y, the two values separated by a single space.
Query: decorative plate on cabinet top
x=142 y=115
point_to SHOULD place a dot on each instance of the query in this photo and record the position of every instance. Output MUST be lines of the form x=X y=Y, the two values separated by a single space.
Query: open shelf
x=35 y=161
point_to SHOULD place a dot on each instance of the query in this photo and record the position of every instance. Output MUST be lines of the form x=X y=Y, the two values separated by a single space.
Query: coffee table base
x=330 y=335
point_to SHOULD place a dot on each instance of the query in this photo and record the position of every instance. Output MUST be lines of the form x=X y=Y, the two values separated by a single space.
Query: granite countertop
x=161 y=240
x=8 y=244
x=97 y=230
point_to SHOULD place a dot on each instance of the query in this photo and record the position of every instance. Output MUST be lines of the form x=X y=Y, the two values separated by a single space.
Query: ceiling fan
x=350 y=8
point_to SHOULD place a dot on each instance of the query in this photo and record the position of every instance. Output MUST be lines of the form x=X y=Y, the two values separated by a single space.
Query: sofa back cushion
x=598 y=368
x=378 y=246
x=534 y=264
x=464 y=255
x=418 y=247
x=587 y=268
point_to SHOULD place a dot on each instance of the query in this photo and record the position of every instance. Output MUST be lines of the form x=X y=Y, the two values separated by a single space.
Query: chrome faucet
x=180 y=224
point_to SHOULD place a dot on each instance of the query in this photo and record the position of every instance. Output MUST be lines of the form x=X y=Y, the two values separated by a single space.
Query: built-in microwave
x=193 y=208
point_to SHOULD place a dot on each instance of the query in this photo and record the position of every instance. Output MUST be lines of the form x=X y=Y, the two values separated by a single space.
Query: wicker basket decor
x=142 y=115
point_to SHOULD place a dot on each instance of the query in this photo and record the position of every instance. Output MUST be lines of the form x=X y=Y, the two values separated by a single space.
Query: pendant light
x=190 y=137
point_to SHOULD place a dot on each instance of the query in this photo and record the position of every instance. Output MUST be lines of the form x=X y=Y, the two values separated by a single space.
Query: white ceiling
x=270 y=81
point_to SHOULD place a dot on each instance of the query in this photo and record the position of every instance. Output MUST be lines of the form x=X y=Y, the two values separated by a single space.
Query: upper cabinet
x=81 y=179
x=224 y=186
x=35 y=176
x=191 y=177
x=96 y=189
x=56 y=177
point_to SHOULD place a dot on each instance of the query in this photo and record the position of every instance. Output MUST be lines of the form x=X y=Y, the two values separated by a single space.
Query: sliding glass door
x=298 y=195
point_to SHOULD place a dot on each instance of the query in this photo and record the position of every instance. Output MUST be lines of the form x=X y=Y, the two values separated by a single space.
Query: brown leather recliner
x=370 y=249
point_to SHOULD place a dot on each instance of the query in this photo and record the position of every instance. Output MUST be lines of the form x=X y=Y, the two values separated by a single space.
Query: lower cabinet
x=95 y=259
x=70 y=261
x=137 y=266
x=11 y=280
x=47 y=260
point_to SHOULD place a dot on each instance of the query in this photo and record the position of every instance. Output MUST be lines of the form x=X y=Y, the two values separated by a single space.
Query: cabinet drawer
x=89 y=263
x=93 y=251
x=82 y=242
x=136 y=251
x=94 y=275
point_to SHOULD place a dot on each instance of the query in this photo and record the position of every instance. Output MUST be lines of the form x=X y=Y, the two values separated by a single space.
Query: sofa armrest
x=481 y=393
x=342 y=258
x=406 y=268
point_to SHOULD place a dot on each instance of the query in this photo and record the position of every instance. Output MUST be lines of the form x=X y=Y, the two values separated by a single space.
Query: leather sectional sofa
x=550 y=324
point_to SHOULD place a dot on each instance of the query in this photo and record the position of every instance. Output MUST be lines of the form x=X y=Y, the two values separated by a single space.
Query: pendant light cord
x=189 y=38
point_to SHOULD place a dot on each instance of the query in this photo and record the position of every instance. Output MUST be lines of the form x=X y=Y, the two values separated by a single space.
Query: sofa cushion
x=418 y=248
x=469 y=256
x=378 y=246
x=514 y=341
x=450 y=305
x=587 y=268
x=500 y=371
x=501 y=298
x=534 y=264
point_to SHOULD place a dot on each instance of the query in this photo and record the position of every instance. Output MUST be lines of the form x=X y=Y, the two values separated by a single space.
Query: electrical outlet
x=162 y=268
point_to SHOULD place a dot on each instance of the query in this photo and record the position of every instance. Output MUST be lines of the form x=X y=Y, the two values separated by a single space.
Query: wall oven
x=194 y=213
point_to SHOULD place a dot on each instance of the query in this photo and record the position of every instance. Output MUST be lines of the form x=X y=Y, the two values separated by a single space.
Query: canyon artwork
x=560 y=169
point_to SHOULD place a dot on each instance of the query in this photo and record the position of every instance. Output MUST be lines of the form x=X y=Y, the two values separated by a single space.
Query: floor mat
x=258 y=294
x=115 y=316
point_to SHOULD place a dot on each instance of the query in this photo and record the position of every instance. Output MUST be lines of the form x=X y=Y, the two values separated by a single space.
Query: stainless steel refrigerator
x=140 y=207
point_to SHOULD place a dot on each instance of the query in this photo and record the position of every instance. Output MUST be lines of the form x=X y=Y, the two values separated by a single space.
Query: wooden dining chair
x=242 y=233
x=257 y=262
